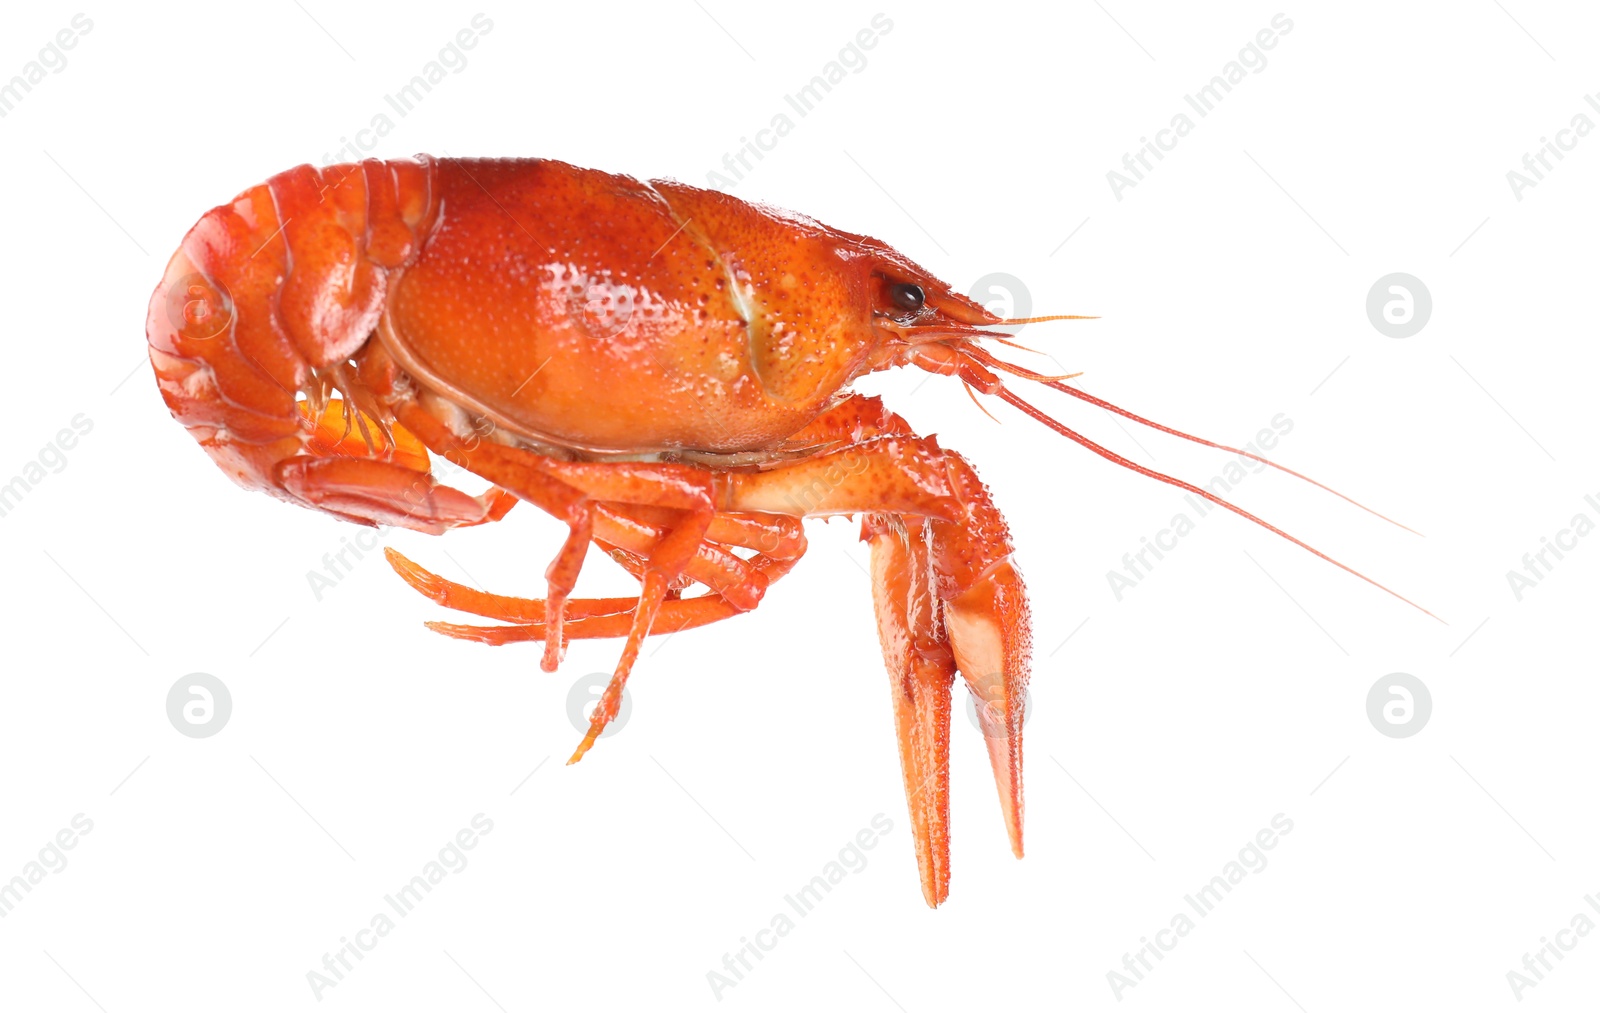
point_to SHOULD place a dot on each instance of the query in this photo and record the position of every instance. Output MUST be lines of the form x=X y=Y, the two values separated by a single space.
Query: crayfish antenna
x=1054 y=383
x=1108 y=406
x=1116 y=458
x=1040 y=320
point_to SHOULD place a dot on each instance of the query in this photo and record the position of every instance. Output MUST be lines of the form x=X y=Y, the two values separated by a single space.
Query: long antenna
x=1116 y=458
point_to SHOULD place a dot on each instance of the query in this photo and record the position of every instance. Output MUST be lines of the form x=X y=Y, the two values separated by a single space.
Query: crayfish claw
x=921 y=672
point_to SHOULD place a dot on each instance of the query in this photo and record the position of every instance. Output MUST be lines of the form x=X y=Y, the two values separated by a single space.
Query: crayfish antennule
x=968 y=388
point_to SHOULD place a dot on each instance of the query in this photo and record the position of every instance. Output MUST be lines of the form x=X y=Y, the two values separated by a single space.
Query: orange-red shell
x=570 y=309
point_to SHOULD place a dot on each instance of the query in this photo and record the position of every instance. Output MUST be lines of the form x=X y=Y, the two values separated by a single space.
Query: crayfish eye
x=906 y=296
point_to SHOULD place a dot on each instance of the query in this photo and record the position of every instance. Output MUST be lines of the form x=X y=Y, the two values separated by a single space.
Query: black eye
x=906 y=296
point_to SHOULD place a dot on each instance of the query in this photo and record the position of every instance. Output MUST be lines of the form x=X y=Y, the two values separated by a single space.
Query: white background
x=1228 y=687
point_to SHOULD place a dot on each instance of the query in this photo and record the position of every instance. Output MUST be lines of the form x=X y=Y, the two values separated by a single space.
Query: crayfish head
x=910 y=306
x=919 y=320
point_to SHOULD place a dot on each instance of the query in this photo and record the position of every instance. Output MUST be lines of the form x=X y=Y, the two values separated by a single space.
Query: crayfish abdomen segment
x=272 y=293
